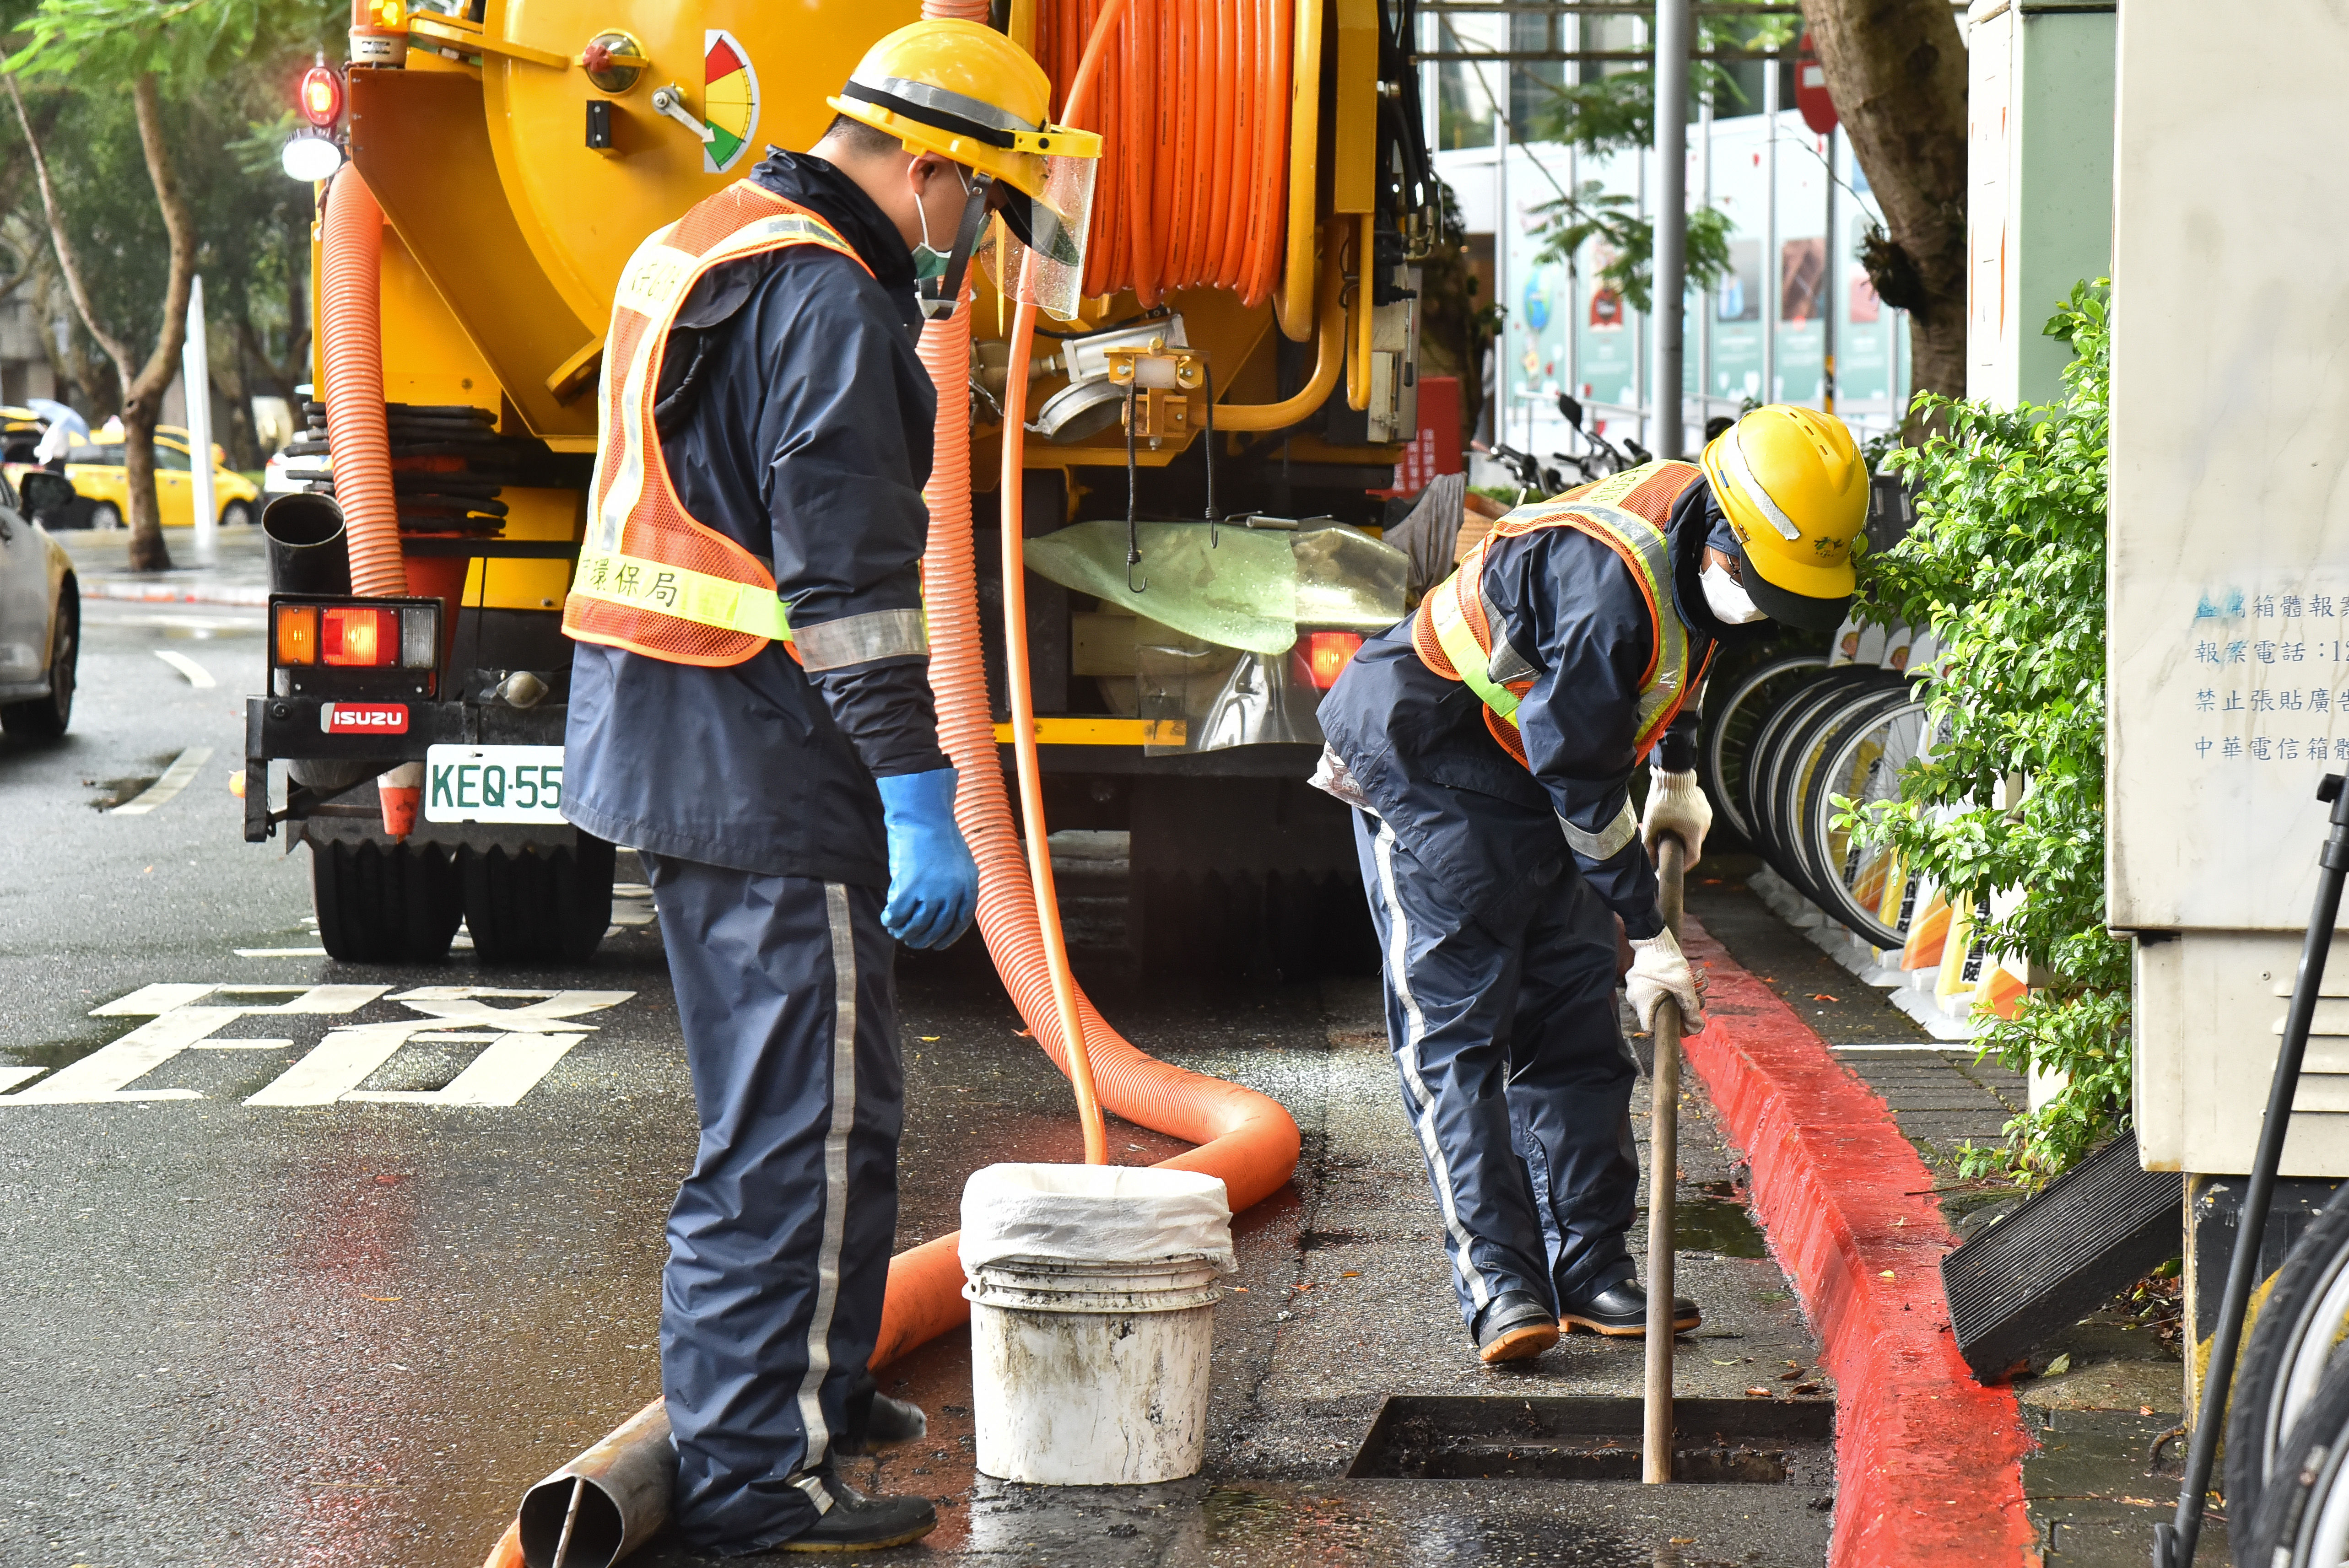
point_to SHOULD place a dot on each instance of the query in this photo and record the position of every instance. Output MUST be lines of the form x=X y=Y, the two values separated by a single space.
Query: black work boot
x=1513 y=1326
x=855 y=1522
x=883 y=1423
x=1620 y=1311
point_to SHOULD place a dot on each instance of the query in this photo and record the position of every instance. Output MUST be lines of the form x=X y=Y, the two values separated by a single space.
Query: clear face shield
x=1035 y=249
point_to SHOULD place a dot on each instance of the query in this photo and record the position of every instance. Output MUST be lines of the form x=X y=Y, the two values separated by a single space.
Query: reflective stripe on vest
x=1452 y=630
x=651 y=579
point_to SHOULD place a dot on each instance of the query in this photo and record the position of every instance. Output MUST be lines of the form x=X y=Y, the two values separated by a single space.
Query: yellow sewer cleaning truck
x=1213 y=397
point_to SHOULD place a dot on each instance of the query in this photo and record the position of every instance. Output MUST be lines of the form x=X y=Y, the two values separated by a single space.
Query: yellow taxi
x=95 y=472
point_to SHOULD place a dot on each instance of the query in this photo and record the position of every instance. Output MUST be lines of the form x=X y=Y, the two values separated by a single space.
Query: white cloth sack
x=1094 y=1214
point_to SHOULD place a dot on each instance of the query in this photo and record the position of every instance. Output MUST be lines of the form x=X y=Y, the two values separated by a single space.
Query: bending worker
x=750 y=708
x=1487 y=744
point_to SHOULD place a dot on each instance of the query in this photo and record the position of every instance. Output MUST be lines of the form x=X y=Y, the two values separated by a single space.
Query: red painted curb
x=1929 y=1463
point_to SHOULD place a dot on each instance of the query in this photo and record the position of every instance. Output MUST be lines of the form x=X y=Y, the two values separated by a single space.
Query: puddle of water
x=1720 y=1225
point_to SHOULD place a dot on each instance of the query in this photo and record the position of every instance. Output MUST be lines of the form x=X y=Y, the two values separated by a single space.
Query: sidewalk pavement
x=238 y=573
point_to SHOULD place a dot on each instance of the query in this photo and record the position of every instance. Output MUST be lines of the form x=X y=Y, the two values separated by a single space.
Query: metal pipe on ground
x=604 y=1504
x=1663 y=1166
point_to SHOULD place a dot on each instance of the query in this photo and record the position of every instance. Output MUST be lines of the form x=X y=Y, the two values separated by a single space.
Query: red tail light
x=349 y=634
x=321 y=95
x=1325 y=654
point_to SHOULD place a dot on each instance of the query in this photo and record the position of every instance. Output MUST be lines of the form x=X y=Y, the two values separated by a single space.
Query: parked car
x=40 y=617
x=96 y=472
x=284 y=474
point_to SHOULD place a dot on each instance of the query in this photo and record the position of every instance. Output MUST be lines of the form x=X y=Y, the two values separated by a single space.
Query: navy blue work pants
x=778 y=1244
x=1516 y=1075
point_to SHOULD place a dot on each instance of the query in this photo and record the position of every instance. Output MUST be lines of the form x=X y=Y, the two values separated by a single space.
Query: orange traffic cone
x=401 y=791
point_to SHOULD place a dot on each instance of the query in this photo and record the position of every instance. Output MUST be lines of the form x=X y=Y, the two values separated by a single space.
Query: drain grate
x=1721 y=1442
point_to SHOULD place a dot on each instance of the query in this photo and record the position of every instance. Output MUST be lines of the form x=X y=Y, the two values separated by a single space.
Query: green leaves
x=187 y=43
x=2007 y=565
x=1593 y=213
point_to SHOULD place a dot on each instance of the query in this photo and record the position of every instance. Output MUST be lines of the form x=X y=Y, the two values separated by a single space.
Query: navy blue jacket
x=795 y=418
x=1497 y=833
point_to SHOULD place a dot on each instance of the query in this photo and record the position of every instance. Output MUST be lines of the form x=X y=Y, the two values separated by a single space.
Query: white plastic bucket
x=1092 y=1371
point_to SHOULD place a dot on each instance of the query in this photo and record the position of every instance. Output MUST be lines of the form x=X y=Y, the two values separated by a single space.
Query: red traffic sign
x=1811 y=90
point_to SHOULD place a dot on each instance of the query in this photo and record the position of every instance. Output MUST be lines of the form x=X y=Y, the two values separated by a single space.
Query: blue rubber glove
x=932 y=881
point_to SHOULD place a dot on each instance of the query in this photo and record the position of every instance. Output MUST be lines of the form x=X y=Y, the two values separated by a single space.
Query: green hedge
x=2007 y=564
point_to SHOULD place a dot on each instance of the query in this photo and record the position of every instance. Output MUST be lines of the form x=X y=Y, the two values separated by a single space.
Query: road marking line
x=174 y=1025
x=520 y=1044
x=198 y=676
x=164 y=997
x=176 y=778
x=499 y=1076
x=100 y=1077
x=341 y=1063
x=280 y=953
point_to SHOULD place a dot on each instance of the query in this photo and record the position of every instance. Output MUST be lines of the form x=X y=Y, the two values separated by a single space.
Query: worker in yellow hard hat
x=750 y=708
x=1487 y=744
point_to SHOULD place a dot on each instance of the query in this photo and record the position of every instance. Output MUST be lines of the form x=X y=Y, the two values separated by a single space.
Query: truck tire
x=377 y=906
x=531 y=904
x=1248 y=877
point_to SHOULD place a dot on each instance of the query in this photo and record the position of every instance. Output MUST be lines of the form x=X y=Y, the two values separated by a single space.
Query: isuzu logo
x=363 y=718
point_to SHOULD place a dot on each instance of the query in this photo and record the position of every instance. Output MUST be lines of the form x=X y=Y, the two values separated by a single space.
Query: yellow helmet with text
x=964 y=92
x=1794 y=489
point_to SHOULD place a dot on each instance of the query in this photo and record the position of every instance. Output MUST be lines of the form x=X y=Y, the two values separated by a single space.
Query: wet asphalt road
x=351 y=1332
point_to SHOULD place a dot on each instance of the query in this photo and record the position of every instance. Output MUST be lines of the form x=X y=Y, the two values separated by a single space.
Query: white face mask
x=1730 y=604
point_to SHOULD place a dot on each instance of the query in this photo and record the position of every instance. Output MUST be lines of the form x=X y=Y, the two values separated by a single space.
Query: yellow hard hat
x=965 y=93
x=1792 y=484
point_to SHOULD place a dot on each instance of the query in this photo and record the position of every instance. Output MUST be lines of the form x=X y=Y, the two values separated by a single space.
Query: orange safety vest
x=1628 y=512
x=651 y=579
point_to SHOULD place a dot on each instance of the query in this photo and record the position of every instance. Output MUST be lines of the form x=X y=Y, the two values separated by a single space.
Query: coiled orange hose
x=350 y=331
x=1195 y=157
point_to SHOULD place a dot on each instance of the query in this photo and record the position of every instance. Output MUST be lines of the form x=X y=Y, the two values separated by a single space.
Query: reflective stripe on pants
x=1516 y=1075
x=780 y=1242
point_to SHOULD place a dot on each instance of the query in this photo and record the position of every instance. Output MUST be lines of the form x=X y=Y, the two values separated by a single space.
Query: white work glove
x=1658 y=969
x=1676 y=805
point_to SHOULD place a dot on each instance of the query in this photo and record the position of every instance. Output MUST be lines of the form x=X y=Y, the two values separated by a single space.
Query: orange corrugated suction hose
x=350 y=311
x=1244 y=1138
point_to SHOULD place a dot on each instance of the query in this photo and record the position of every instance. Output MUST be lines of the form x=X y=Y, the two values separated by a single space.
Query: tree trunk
x=142 y=399
x=1897 y=71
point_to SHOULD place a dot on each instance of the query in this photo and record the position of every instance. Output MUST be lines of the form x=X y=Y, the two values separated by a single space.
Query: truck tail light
x=1325 y=654
x=321 y=95
x=354 y=634
x=297 y=634
x=363 y=637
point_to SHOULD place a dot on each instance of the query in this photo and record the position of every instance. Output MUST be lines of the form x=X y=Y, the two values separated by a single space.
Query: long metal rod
x=2173 y=1543
x=1663 y=1176
x=1555 y=56
x=1670 y=301
x=570 y=1520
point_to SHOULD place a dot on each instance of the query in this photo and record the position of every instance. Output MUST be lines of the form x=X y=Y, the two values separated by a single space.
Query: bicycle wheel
x=1798 y=764
x=1725 y=735
x=1762 y=758
x=1767 y=790
x=2303 y=1518
x=2292 y=1348
x=1867 y=886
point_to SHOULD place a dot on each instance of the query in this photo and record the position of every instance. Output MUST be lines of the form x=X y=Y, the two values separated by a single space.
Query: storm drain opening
x=1767 y=1443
